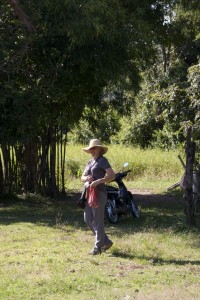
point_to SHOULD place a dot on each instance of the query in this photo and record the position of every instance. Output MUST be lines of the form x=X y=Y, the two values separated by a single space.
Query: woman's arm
x=109 y=176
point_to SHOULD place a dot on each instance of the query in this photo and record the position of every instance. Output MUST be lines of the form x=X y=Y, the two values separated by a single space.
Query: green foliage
x=59 y=66
x=167 y=138
x=81 y=133
x=82 y=54
x=100 y=123
x=123 y=135
x=194 y=95
x=77 y=48
x=142 y=129
x=73 y=168
x=169 y=98
x=57 y=57
x=160 y=117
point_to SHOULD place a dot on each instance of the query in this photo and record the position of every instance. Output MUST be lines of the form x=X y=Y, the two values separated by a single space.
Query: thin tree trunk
x=58 y=158
x=190 y=157
x=63 y=164
x=43 y=165
x=1 y=176
x=7 y=167
x=53 y=186
x=29 y=156
x=166 y=57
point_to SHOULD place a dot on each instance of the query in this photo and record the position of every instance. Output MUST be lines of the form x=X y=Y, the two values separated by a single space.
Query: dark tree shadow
x=38 y=210
x=158 y=212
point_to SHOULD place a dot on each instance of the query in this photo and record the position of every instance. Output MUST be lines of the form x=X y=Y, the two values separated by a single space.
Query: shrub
x=73 y=168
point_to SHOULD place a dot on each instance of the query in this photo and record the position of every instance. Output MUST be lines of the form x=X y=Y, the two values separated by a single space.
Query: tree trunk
x=190 y=157
x=7 y=167
x=43 y=164
x=1 y=176
x=166 y=57
x=63 y=164
x=29 y=166
x=53 y=185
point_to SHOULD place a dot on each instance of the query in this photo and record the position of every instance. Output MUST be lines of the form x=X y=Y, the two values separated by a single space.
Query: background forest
x=127 y=72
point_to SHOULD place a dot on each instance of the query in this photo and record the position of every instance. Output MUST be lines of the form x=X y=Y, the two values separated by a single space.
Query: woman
x=97 y=172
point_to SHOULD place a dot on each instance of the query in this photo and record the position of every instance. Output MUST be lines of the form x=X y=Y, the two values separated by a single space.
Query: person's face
x=95 y=151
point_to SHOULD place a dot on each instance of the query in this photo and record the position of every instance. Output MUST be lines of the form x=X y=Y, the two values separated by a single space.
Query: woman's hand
x=89 y=178
x=95 y=183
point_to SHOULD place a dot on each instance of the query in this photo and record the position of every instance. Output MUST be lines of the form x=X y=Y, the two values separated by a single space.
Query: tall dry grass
x=150 y=167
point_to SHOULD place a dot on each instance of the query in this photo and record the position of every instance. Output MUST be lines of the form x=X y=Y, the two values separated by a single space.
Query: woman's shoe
x=107 y=246
x=95 y=251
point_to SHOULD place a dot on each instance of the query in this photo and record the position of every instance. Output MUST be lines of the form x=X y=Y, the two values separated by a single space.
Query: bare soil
x=145 y=197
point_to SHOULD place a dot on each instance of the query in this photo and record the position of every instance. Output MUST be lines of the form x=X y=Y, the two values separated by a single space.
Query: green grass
x=45 y=245
x=153 y=169
x=149 y=162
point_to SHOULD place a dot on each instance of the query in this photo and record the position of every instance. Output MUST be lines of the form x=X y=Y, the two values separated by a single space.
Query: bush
x=73 y=168
x=96 y=124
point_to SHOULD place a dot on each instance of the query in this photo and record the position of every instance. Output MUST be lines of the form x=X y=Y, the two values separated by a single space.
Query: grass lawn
x=45 y=245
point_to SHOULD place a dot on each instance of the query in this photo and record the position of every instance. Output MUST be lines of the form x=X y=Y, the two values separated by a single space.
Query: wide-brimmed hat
x=96 y=143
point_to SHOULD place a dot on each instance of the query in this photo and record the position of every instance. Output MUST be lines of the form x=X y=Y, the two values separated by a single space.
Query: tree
x=169 y=97
x=71 y=53
x=193 y=92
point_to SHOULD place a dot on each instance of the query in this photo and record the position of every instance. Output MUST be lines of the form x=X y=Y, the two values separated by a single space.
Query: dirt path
x=146 y=197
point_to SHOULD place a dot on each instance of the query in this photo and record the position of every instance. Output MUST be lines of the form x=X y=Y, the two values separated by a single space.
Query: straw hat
x=96 y=143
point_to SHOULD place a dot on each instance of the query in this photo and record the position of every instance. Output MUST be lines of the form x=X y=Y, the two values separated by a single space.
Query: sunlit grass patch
x=154 y=169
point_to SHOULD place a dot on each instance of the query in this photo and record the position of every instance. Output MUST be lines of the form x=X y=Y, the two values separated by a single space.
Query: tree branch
x=19 y=12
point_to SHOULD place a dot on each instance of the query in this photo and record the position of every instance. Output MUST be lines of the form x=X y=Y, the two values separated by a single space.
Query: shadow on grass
x=158 y=212
x=38 y=210
x=155 y=261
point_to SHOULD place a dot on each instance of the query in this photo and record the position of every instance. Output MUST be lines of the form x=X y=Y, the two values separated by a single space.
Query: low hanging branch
x=19 y=12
